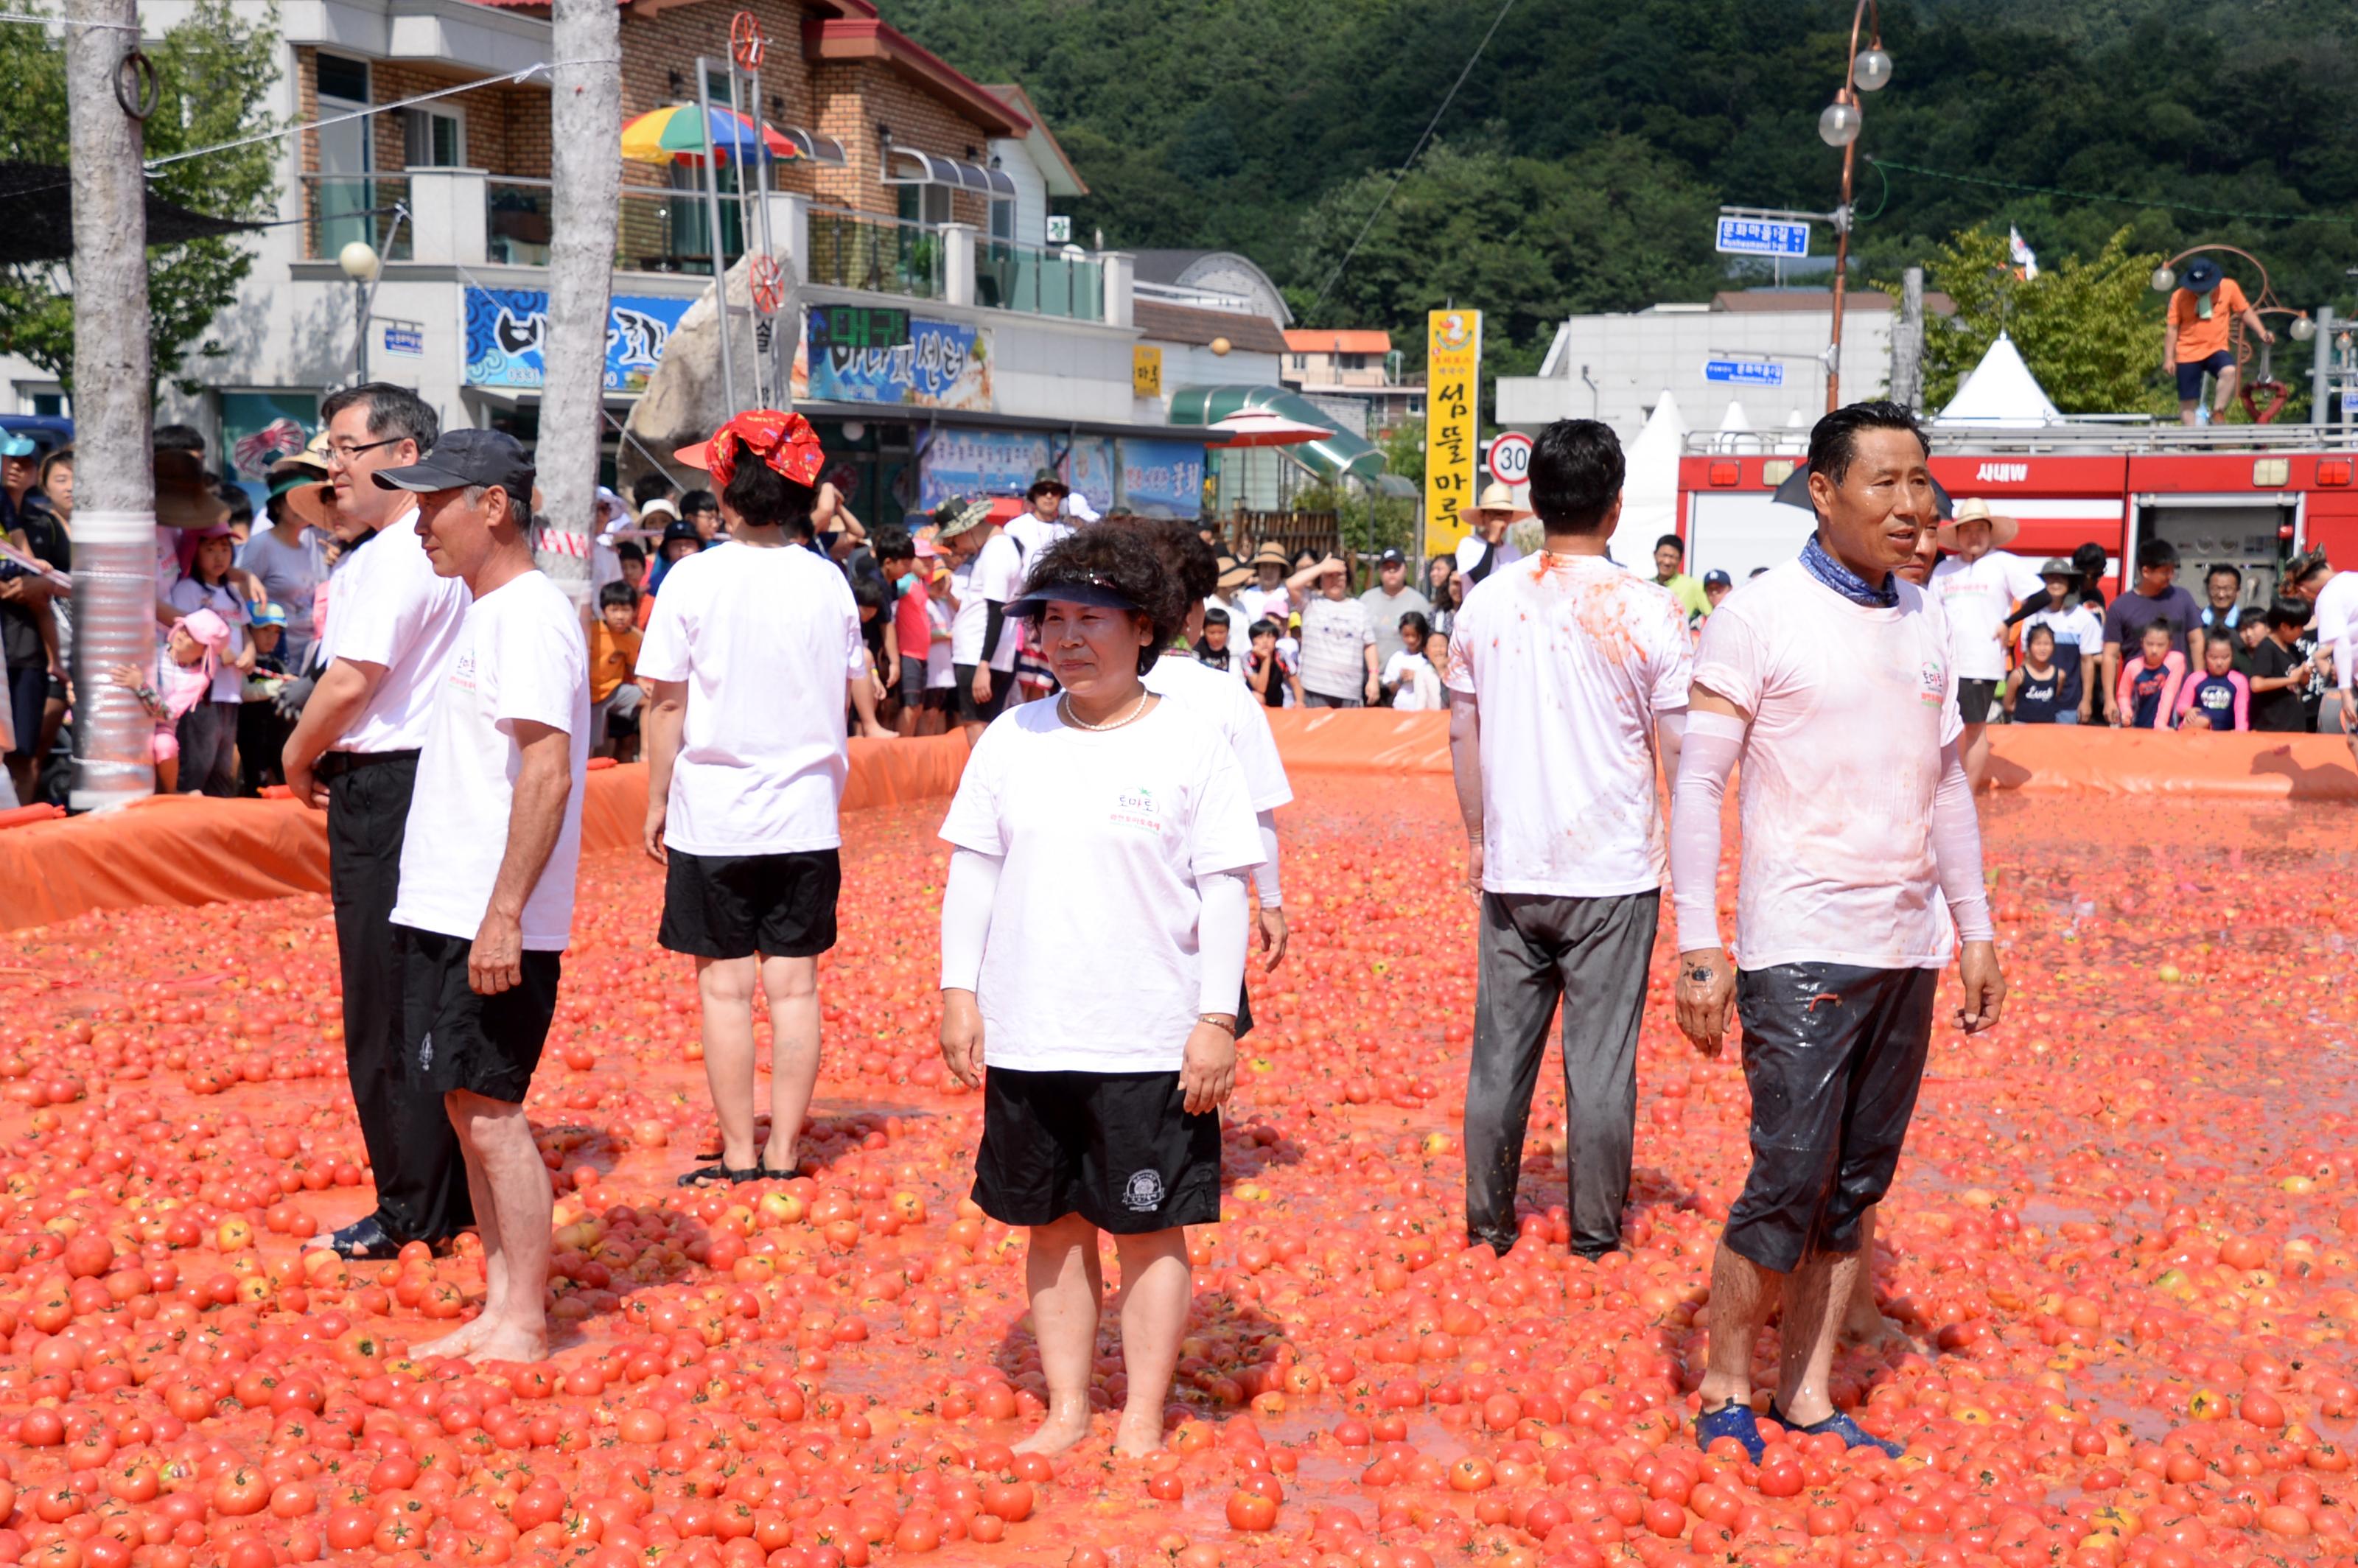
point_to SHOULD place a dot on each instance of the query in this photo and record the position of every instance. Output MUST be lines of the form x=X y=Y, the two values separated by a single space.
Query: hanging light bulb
x=1839 y=125
x=1872 y=71
x=2164 y=280
x=2302 y=329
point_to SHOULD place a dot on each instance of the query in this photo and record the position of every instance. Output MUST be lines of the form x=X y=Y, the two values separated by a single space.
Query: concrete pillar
x=790 y=233
x=1120 y=272
x=447 y=221
x=957 y=263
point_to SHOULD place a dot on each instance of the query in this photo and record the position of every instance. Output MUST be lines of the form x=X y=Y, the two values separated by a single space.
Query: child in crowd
x=262 y=730
x=180 y=682
x=2221 y=697
x=941 y=674
x=1213 y=647
x=614 y=692
x=1269 y=671
x=2150 y=683
x=2034 y=692
x=912 y=635
x=2250 y=632
x=633 y=559
x=876 y=631
x=1409 y=675
x=2278 y=674
x=208 y=731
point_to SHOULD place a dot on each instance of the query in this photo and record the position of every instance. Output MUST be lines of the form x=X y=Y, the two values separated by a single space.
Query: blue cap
x=12 y=445
x=270 y=615
x=1717 y=579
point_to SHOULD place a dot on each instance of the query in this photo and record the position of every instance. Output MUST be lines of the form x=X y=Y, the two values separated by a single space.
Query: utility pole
x=586 y=172
x=1908 y=342
x=115 y=524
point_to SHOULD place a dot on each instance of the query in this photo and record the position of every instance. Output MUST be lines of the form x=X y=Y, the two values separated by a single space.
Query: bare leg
x=2225 y=394
x=1863 y=1321
x=498 y=1141
x=2185 y=408
x=724 y=988
x=1976 y=753
x=1065 y=1280
x=1742 y=1293
x=1156 y=1286
x=1814 y=1297
x=460 y=1341
x=792 y=988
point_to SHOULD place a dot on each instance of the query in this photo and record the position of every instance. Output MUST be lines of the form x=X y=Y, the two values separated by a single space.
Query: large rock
x=684 y=400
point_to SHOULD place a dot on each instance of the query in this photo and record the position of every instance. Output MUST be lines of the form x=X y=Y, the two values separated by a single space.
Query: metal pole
x=2323 y=357
x=712 y=220
x=113 y=392
x=1842 y=264
x=765 y=368
x=368 y=291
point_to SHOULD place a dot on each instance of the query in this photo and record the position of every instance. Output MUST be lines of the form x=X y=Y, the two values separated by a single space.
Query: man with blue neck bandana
x=1830 y=679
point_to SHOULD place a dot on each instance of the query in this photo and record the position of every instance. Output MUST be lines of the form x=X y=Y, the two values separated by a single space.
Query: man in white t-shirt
x=752 y=653
x=1831 y=679
x=1043 y=520
x=391 y=627
x=1568 y=678
x=1978 y=587
x=1486 y=547
x=2336 y=628
x=488 y=864
x=992 y=574
x=1339 y=644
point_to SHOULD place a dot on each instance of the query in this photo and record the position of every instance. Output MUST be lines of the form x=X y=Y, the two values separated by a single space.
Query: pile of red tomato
x=2122 y=1242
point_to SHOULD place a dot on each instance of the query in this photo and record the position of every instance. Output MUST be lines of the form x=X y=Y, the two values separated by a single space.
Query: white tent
x=1734 y=422
x=2001 y=391
x=1649 y=493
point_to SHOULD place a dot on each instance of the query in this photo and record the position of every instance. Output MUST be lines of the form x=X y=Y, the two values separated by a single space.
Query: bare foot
x=1866 y=1327
x=785 y=1167
x=459 y=1341
x=507 y=1342
x=1058 y=1432
x=1139 y=1434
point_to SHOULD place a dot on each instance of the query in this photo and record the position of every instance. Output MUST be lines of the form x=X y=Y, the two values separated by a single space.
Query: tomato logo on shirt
x=1935 y=683
x=1135 y=809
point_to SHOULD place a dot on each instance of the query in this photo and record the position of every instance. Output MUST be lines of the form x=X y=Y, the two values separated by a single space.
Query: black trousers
x=421 y=1179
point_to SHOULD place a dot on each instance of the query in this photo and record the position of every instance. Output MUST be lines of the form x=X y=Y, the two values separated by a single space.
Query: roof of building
x=1756 y=299
x=1339 y=340
x=1048 y=153
x=1158 y=322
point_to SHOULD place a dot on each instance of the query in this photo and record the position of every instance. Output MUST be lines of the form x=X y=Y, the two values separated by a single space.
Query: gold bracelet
x=1219 y=1021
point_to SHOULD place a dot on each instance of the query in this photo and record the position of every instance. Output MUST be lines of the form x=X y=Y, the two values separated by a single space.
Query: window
x=48 y=405
x=434 y=139
x=1002 y=220
x=347 y=80
x=924 y=203
x=1355 y=362
x=1302 y=361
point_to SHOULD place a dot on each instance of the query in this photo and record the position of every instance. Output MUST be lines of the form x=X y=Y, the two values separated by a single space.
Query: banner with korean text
x=1453 y=423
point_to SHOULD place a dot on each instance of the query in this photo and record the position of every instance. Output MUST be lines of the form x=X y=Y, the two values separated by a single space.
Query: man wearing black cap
x=2195 y=336
x=487 y=865
x=1390 y=599
x=392 y=626
x=1716 y=586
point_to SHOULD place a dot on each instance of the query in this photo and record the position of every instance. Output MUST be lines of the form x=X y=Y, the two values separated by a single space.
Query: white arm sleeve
x=1957 y=851
x=1272 y=893
x=966 y=916
x=1220 y=939
x=1707 y=756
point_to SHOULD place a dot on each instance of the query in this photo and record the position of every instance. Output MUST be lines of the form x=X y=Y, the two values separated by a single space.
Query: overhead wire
x=2027 y=189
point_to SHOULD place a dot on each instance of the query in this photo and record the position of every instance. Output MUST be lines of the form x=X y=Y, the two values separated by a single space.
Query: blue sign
x=971 y=464
x=936 y=365
x=506 y=329
x=1745 y=372
x=1163 y=479
x=1762 y=237
x=404 y=338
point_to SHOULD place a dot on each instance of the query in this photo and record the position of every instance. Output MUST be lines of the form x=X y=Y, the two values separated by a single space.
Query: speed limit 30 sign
x=1511 y=458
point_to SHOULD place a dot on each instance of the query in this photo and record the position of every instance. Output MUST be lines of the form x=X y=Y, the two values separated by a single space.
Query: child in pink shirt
x=2149 y=688
x=182 y=677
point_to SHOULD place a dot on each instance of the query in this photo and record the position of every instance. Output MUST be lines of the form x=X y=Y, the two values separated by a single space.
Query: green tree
x=216 y=72
x=2089 y=330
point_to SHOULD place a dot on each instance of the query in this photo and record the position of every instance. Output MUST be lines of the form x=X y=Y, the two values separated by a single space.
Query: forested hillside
x=1578 y=165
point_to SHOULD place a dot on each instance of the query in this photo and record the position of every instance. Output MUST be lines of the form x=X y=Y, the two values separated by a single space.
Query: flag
x=2023 y=255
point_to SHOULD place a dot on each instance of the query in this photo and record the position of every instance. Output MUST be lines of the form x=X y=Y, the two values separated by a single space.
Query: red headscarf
x=784 y=441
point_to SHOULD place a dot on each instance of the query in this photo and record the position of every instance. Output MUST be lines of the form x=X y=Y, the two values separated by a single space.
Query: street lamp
x=1865 y=70
x=359 y=262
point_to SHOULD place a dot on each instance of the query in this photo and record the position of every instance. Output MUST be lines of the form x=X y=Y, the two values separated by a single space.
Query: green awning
x=1337 y=455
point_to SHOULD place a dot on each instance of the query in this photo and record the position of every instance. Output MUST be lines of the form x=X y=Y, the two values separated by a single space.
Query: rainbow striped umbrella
x=671 y=134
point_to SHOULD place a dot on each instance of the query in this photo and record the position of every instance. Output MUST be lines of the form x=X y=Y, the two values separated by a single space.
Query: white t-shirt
x=1469 y=554
x=1336 y=636
x=1415 y=689
x=386 y=607
x=939 y=675
x=2337 y=623
x=1223 y=700
x=1850 y=708
x=1571 y=659
x=1258 y=604
x=766 y=639
x=188 y=597
x=520 y=658
x=995 y=573
x=1033 y=534
x=1091 y=963
x=1977 y=597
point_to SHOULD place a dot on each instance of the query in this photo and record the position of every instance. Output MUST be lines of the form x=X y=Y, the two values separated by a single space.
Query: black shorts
x=1834 y=1055
x=733 y=906
x=2190 y=374
x=1975 y=700
x=29 y=690
x=913 y=682
x=969 y=711
x=1114 y=1148
x=452 y=1038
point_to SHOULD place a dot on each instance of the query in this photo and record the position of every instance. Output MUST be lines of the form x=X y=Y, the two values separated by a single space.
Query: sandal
x=712 y=1176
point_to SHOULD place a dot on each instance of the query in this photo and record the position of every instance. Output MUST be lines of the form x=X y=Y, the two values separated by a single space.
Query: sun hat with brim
x=464 y=458
x=1495 y=497
x=1233 y=573
x=2056 y=565
x=974 y=516
x=15 y=446
x=1094 y=590
x=1272 y=556
x=2002 y=529
x=1046 y=480
x=2201 y=276
x=310 y=463
x=662 y=503
x=185 y=495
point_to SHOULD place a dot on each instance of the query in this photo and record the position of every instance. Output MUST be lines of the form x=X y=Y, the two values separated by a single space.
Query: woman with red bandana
x=751 y=654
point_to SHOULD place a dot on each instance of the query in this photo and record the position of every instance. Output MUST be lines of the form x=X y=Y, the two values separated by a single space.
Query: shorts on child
x=1118 y=1148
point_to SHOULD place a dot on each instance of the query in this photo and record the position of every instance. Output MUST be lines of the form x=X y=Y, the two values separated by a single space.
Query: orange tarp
x=182 y=850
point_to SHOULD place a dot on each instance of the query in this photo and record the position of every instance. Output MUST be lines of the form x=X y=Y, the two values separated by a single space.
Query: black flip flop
x=714 y=1175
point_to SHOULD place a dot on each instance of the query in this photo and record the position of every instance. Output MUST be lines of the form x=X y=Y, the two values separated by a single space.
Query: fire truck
x=2241 y=495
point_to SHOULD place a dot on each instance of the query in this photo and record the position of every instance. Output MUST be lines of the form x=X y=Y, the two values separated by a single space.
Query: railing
x=1197 y=299
x=658 y=230
x=883 y=256
x=340 y=209
x=1242 y=532
x=1013 y=276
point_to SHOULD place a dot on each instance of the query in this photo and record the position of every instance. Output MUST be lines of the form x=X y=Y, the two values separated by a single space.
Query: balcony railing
x=340 y=209
x=1038 y=281
x=883 y=255
x=658 y=230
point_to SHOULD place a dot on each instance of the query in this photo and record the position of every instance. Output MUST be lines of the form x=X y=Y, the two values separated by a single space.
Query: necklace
x=1064 y=710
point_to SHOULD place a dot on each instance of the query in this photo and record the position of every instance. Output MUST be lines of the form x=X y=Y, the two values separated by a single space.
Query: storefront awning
x=812 y=145
x=907 y=165
x=1339 y=455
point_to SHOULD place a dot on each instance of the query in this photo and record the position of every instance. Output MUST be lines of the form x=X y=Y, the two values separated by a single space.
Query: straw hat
x=1495 y=497
x=2002 y=529
x=1272 y=555
x=1233 y=573
x=185 y=495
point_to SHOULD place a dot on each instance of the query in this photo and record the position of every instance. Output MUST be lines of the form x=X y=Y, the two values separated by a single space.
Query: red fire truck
x=2236 y=495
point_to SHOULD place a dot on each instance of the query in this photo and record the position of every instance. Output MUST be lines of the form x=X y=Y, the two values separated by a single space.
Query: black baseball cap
x=1391 y=559
x=462 y=458
x=1717 y=579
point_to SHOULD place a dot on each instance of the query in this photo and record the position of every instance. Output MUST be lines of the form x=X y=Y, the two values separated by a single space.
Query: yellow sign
x=1145 y=370
x=1453 y=423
